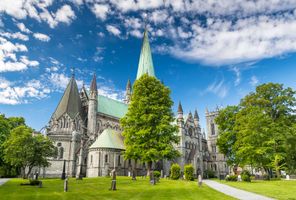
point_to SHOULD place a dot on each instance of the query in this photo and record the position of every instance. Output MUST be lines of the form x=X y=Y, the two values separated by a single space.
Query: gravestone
x=113 y=182
x=239 y=178
x=152 y=178
x=66 y=185
x=287 y=177
x=199 y=180
x=40 y=184
x=63 y=177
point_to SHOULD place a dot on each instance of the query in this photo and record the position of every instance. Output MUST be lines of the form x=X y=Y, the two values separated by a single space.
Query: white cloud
x=16 y=35
x=60 y=81
x=100 y=11
x=218 y=88
x=23 y=28
x=254 y=81
x=113 y=30
x=65 y=14
x=41 y=37
x=13 y=93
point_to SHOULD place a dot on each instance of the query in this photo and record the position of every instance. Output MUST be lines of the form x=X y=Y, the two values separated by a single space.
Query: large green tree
x=147 y=126
x=258 y=130
x=25 y=151
x=6 y=125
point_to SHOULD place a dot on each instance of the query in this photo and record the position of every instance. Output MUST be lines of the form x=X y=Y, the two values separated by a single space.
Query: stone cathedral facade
x=87 y=136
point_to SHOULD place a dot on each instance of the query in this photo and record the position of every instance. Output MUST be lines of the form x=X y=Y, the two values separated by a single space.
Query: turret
x=196 y=118
x=92 y=108
x=180 y=111
x=128 y=92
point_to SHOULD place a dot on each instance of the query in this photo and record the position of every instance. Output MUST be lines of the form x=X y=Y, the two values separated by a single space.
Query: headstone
x=199 y=180
x=36 y=176
x=287 y=177
x=63 y=177
x=113 y=182
x=129 y=174
x=239 y=178
x=40 y=184
x=66 y=185
x=152 y=179
x=161 y=173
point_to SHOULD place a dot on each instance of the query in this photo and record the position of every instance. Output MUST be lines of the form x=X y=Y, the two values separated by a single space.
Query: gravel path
x=236 y=193
x=3 y=180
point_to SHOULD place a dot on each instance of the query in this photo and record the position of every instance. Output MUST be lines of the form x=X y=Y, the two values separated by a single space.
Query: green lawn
x=276 y=189
x=98 y=188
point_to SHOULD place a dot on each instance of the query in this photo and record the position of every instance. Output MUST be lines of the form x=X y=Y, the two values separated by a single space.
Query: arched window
x=106 y=158
x=213 y=128
x=91 y=158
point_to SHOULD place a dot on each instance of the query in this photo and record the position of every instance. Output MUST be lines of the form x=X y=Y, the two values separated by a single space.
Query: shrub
x=266 y=177
x=156 y=174
x=245 y=172
x=231 y=178
x=188 y=172
x=246 y=178
x=175 y=172
x=209 y=174
x=34 y=182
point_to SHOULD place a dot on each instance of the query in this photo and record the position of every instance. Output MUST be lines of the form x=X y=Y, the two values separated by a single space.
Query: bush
x=266 y=177
x=209 y=174
x=231 y=178
x=188 y=172
x=246 y=178
x=245 y=172
x=32 y=182
x=156 y=174
x=175 y=172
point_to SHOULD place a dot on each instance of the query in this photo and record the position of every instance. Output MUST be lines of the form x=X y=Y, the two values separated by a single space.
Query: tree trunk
x=29 y=171
x=134 y=177
x=149 y=168
x=23 y=172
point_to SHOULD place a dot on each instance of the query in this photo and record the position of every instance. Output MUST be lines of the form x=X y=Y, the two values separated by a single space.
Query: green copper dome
x=109 y=139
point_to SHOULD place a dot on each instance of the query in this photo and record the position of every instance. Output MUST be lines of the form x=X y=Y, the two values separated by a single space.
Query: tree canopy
x=25 y=151
x=260 y=131
x=147 y=126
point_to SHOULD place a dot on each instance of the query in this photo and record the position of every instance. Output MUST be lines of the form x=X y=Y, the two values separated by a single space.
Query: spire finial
x=180 y=109
x=196 y=115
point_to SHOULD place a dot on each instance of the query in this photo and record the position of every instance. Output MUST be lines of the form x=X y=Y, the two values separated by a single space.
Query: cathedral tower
x=92 y=108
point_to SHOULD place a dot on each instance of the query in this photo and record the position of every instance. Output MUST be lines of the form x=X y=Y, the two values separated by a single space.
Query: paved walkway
x=236 y=193
x=3 y=180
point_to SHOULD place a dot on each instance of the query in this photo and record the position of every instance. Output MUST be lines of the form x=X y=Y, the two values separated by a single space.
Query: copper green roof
x=110 y=139
x=70 y=102
x=111 y=107
x=145 y=61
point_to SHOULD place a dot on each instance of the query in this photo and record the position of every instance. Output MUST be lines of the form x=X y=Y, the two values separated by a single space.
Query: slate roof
x=145 y=61
x=111 y=107
x=70 y=102
x=109 y=139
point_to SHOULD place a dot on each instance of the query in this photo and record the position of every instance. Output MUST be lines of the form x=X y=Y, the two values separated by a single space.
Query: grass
x=98 y=188
x=283 y=190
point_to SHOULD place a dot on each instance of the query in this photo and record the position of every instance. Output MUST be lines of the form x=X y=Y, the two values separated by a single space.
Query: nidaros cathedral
x=87 y=136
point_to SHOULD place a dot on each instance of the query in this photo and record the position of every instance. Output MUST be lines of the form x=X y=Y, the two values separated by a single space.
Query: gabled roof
x=111 y=107
x=145 y=61
x=110 y=139
x=70 y=102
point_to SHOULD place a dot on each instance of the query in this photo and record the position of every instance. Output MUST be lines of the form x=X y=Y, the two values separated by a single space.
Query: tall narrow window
x=213 y=128
x=214 y=150
x=118 y=160
x=106 y=158
x=91 y=158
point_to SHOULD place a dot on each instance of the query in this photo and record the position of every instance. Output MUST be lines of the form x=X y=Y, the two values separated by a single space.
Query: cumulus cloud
x=41 y=37
x=100 y=10
x=16 y=35
x=13 y=93
x=38 y=10
x=113 y=30
x=23 y=28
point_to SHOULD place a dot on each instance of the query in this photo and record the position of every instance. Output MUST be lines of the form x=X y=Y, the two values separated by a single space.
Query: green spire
x=145 y=62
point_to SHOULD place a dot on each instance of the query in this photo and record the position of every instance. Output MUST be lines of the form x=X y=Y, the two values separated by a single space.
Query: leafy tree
x=175 y=171
x=6 y=125
x=23 y=150
x=227 y=135
x=149 y=134
x=258 y=131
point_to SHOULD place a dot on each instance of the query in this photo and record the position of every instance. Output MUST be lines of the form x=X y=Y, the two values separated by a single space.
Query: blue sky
x=210 y=53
